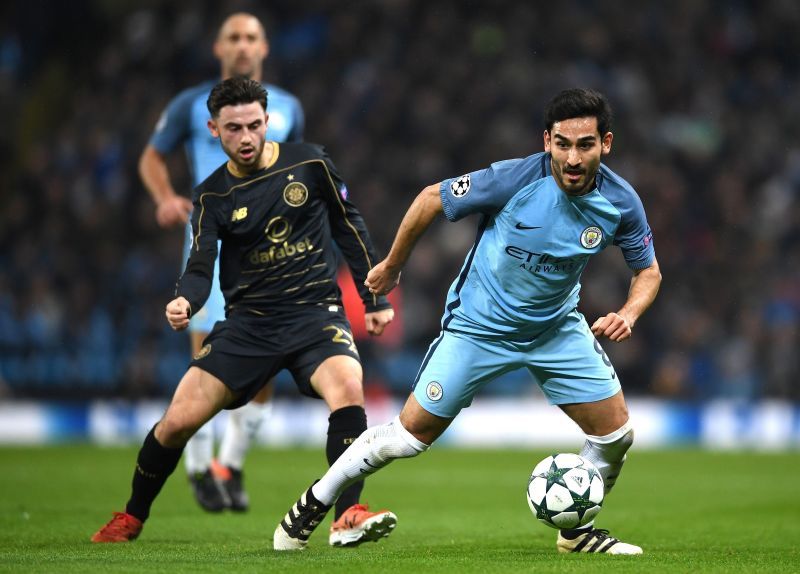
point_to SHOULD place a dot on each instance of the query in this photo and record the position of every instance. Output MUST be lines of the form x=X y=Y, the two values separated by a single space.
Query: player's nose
x=573 y=157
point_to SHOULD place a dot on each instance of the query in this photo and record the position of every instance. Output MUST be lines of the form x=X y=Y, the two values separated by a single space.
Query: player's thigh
x=328 y=366
x=199 y=396
x=599 y=418
x=570 y=365
x=265 y=394
x=338 y=380
x=455 y=367
x=238 y=362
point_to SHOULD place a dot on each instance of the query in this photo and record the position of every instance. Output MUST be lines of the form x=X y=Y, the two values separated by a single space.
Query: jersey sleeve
x=172 y=127
x=350 y=234
x=488 y=190
x=195 y=283
x=634 y=236
x=298 y=123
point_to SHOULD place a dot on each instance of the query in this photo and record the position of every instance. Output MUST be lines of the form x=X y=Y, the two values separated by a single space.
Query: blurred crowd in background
x=405 y=93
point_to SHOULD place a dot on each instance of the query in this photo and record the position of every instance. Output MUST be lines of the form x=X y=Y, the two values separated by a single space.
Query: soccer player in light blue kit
x=241 y=47
x=514 y=305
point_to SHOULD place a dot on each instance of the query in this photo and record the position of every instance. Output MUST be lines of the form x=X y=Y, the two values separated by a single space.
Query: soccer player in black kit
x=277 y=209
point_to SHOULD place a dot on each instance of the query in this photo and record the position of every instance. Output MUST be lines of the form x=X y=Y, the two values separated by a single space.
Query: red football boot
x=122 y=528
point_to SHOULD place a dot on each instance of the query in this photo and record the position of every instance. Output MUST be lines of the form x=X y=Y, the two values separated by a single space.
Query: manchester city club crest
x=434 y=391
x=295 y=194
x=591 y=237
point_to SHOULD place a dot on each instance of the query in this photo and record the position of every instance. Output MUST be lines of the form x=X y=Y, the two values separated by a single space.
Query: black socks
x=344 y=426
x=153 y=467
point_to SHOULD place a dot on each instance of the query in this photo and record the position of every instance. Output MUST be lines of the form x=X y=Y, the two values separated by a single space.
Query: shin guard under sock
x=344 y=427
x=153 y=466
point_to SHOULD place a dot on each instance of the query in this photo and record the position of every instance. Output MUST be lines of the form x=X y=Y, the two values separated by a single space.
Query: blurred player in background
x=514 y=305
x=276 y=210
x=241 y=47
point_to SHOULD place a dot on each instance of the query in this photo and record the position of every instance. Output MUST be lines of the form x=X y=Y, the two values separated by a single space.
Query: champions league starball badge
x=460 y=187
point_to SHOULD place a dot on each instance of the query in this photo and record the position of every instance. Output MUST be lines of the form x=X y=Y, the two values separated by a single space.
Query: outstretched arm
x=644 y=287
x=386 y=275
x=171 y=209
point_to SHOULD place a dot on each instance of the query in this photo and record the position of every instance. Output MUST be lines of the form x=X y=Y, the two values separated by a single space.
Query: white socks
x=374 y=449
x=200 y=449
x=240 y=431
x=608 y=452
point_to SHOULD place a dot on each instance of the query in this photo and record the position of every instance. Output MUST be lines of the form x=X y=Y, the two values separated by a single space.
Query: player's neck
x=269 y=156
x=255 y=77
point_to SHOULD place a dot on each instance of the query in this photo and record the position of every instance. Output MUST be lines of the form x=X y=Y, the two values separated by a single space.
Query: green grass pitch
x=458 y=511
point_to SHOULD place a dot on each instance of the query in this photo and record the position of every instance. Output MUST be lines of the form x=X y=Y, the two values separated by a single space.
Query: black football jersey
x=277 y=229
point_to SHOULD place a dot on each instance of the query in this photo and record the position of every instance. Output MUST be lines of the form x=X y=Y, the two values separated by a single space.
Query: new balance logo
x=521 y=226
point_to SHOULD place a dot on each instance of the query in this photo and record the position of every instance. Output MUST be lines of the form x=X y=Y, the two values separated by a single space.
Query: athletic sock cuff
x=352 y=418
x=156 y=458
x=409 y=438
x=612 y=437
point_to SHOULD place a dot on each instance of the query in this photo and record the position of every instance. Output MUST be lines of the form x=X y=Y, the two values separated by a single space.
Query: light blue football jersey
x=534 y=241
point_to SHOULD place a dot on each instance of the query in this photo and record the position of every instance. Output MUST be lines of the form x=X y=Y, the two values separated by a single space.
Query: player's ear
x=546 y=137
x=606 y=143
x=264 y=49
x=212 y=127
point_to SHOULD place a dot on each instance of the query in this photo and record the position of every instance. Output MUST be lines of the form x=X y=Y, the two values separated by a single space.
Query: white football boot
x=593 y=540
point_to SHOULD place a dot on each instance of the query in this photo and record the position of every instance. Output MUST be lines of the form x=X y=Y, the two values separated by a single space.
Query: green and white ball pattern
x=565 y=491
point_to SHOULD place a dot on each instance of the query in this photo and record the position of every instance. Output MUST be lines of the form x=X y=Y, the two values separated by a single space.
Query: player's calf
x=374 y=449
x=608 y=453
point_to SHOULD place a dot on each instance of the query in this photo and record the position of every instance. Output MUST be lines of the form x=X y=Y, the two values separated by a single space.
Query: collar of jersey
x=276 y=151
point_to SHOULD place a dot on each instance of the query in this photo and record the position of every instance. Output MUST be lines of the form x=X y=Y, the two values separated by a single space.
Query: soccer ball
x=565 y=491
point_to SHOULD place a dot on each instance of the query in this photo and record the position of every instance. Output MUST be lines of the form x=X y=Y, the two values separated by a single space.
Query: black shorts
x=244 y=364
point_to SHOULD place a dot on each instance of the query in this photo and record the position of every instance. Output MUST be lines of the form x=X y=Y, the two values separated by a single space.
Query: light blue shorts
x=566 y=361
x=202 y=321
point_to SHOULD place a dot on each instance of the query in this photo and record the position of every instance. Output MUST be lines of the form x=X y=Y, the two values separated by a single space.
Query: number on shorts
x=605 y=358
x=342 y=336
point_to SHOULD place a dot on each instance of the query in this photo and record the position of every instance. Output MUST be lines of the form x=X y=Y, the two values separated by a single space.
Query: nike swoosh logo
x=520 y=226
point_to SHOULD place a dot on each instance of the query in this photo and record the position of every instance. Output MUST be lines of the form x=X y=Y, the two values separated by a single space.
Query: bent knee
x=175 y=431
x=346 y=393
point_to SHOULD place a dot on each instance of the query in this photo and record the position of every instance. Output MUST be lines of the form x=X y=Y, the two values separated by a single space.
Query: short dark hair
x=235 y=91
x=579 y=103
